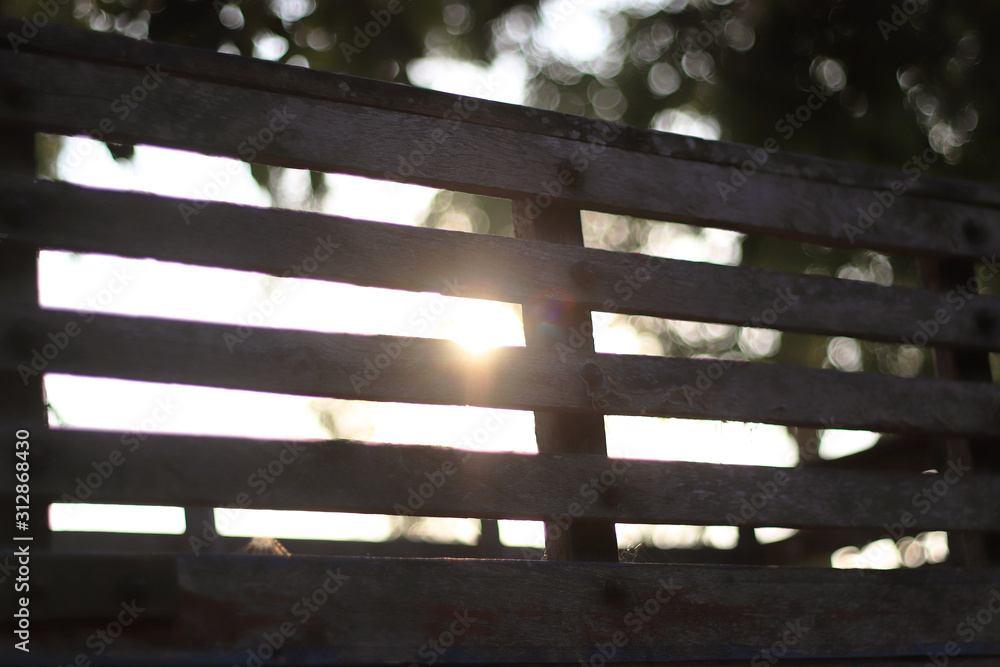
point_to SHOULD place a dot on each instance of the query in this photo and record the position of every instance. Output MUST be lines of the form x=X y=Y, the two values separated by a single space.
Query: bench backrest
x=580 y=604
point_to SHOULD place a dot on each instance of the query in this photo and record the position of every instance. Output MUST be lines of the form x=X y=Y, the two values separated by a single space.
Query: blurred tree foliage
x=898 y=76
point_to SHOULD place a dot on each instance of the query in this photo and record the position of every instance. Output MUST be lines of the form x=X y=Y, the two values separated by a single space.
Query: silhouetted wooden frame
x=217 y=610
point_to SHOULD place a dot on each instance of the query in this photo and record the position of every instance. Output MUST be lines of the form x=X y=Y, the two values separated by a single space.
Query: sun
x=479 y=326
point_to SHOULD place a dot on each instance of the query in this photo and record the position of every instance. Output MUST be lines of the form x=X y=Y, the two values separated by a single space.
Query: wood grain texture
x=441 y=481
x=263 y=75
x=276 y=241
x=418 y=370
x=388 y=611
x=73 y=96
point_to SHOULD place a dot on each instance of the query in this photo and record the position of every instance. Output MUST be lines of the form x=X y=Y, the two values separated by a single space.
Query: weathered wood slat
x=383 y=611
x=71 y=96
x=416 y=370
x=268 y=76
x=275 y=241
x=810 y=546
x=398 y=547
x=130 y=468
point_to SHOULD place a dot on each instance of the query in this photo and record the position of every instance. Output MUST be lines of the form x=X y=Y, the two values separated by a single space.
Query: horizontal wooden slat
x=69 y=96
x=263 y=75
x=386 y=368
x=383 y=611
x=811 y=548
x=275 y=241
x=65 y=541
x=128 y=468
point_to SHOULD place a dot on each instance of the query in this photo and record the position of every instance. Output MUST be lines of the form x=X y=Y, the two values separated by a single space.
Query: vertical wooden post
x=547 y=323
x=967 y=549
x=198 y=522
x=489 y=545
x=22 y=403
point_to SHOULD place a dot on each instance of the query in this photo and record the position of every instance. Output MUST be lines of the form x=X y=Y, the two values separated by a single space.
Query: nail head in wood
x=568 y=174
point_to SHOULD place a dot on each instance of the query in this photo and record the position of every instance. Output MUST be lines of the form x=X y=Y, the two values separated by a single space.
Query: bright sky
x=145 y=287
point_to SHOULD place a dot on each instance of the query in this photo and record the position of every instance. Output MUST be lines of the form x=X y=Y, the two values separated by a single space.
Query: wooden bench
x=580 y=606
